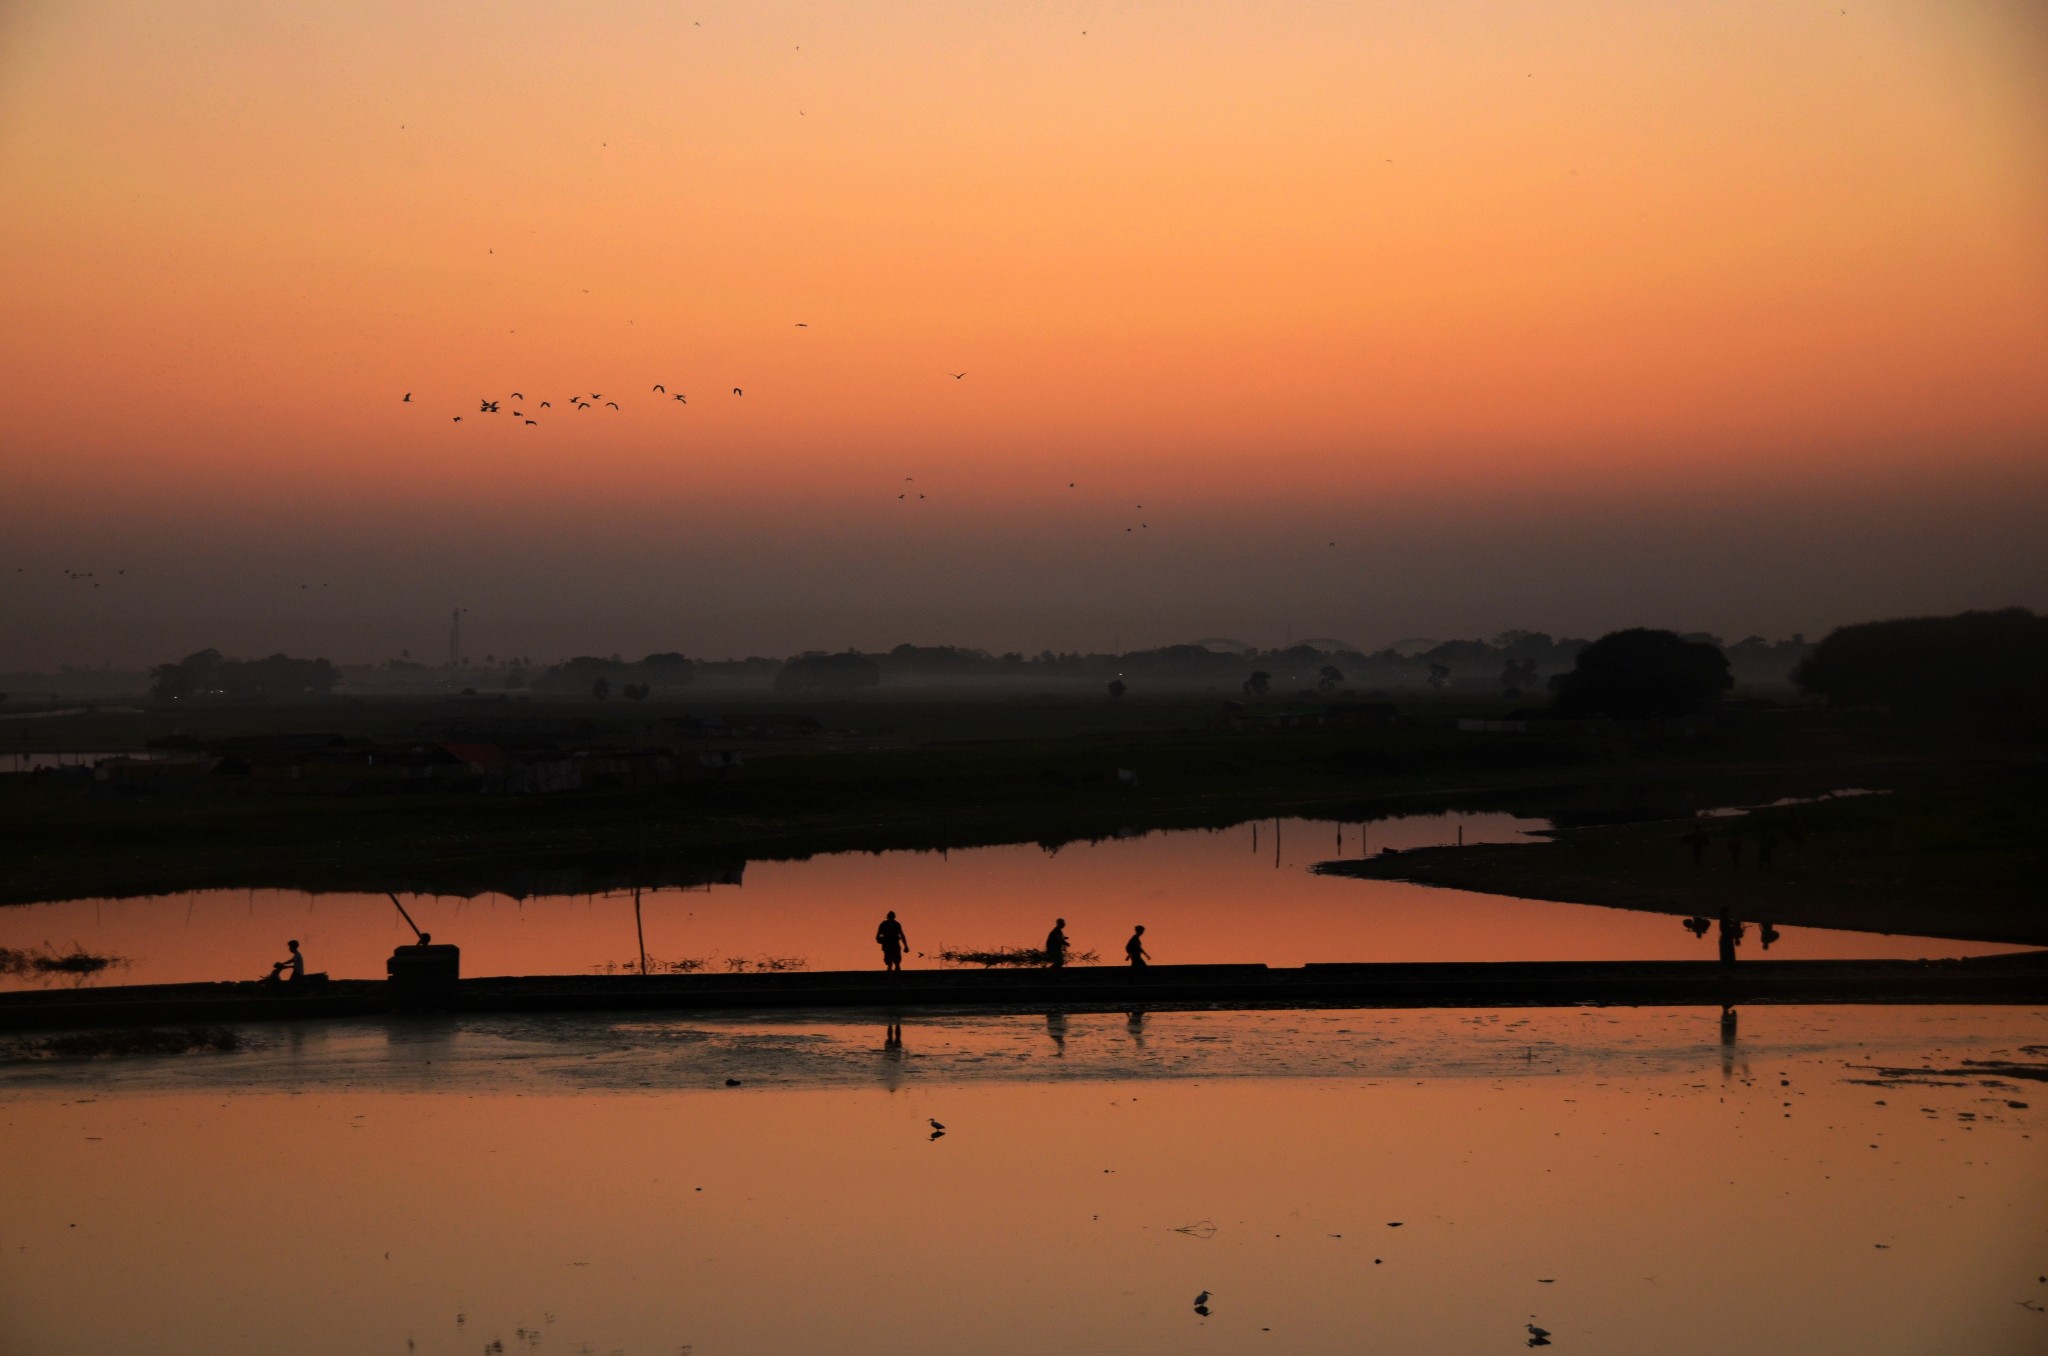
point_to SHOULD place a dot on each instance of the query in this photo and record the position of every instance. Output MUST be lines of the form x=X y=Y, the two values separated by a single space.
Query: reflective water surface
x=1241 y=894
x=1821 y=1180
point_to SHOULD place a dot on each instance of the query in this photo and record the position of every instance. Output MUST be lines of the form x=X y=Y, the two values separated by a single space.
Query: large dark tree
x=1973 y=665
x=1640 y=672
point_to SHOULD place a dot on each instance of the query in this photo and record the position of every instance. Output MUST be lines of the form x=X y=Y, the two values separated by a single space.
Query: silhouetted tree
x=1258 y=683
x=1328 y=677
x=1439 y=676
x=1973 y=665
x=1117 y=689
x=601 y=688
x=1641 y=672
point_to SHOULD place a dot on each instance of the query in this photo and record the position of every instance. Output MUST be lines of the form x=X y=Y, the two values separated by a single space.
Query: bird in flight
x=958 y=375
x=659 y=387
x=532 y=423
x=683 y=399
x=613 y=403
x=487 y=407
x=458 y=418
x=737 y=391
x=519 y=395
x=407 y=400
x=545 y=405
x=801 y=325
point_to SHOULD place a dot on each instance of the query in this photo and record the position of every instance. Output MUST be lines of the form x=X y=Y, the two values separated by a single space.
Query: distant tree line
x=209 y=674
x=1971 y=666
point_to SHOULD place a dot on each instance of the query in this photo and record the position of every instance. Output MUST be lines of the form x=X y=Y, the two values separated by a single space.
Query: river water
x=1817 y=1181
x=1240 y=894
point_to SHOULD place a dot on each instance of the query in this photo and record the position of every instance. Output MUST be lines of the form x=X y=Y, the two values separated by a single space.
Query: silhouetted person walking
x=1135 y=948
x=1056 y=944
x=889 y=936
x=1766 y=934
x=290 y=970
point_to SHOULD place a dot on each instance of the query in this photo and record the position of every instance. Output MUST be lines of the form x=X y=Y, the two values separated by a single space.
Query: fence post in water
x=639 y=928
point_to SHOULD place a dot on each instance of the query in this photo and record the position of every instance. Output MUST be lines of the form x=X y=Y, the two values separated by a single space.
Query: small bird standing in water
x=936 y=1126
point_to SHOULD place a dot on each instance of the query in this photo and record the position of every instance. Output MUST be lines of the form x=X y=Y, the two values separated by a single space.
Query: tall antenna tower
x=455 y=639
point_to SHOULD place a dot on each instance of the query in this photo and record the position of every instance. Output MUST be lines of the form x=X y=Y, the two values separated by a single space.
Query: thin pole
x=401 y=913
x=640 y=928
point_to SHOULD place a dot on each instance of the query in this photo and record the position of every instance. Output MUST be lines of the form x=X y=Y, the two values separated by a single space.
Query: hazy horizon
x=1417 y=321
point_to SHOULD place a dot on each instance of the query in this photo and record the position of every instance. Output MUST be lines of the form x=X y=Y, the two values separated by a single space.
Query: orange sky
x=1385 y=275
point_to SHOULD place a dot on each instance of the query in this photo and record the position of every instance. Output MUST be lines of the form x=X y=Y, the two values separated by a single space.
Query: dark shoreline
x=2019 y=979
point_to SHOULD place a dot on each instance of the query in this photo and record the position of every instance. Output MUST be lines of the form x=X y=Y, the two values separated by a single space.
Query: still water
x=1241 y=894
x=1818 y=1180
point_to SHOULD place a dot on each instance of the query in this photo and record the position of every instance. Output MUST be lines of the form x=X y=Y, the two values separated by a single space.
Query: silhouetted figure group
x=889 y=935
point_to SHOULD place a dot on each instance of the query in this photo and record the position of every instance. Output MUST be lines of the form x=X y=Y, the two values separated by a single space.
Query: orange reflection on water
x=1243 y=894
x=1643 y=1200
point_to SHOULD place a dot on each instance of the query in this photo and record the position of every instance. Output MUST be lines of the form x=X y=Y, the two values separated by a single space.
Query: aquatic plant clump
x=772 y=965
x=1021 y=957
x=686 y=965
x=114 y=1044
x=45 y=962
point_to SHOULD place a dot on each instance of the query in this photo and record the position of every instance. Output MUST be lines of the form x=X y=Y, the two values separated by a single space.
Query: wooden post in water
x=639 y=928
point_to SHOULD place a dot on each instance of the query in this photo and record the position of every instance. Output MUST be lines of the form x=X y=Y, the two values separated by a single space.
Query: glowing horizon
x=1572 y=318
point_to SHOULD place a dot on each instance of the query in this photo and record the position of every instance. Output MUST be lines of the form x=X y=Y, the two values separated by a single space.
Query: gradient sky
x=1397 y=319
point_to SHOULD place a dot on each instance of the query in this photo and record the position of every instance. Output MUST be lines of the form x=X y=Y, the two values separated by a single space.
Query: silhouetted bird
x=545 y=405
x=1202 y=1298
x=736 y=391
x=458 y=418
x=488 y=407
x=659 y=387
x=936 y=1126
x=958 y=375
x=519 y=395
x=683 y=399
x=533 y=423
x=597 y=395
x=408 y=398
x=800 y=325
x=732 y=1082
x=613 y=403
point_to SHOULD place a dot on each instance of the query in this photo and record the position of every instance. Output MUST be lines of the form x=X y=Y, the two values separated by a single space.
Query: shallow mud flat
x=1798 y=1180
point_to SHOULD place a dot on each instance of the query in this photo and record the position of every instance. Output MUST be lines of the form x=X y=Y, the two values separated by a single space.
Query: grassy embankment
x=1949 y=852
x=892 y=774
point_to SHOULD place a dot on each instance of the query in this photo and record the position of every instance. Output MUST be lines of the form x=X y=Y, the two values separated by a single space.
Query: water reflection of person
x=1728 y=1022
x=1056 y=1027
x=1135 y=949
x=1056 y=944
x=1134 y=1022
x=1731 y=935
x=889 y=936
x=892 y=1056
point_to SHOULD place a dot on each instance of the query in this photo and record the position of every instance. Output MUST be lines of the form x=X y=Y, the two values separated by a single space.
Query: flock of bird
x=488 y=406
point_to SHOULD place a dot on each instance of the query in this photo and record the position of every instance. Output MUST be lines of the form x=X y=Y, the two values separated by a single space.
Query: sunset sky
x=1396 y=319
